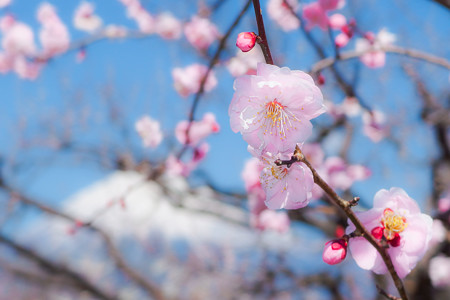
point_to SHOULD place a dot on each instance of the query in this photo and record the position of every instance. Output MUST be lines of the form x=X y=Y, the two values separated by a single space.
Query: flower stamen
x=393 y=224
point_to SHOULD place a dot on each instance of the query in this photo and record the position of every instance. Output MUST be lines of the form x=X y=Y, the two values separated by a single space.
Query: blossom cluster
x=21 y=55
x=272 y=110
x=190 y=134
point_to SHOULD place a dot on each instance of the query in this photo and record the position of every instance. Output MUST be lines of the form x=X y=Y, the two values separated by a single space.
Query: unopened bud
x=337 y=21
x=246 y=41
x=321 y=79
x=335 y=251
x=341 y=40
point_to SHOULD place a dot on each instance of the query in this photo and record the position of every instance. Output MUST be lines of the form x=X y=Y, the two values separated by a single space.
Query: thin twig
x=328 y=62
x=55 y=268
x=385 y=294
x=114 y=253
x=211 y=65
x=262 y=40
x=346 y=207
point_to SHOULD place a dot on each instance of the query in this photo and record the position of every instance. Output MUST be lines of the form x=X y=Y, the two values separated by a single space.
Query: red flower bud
x=335 y=251
x=246 y=41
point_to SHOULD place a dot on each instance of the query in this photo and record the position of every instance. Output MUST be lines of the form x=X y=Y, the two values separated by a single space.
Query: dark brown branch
x=262 y=38
x=346 y=207
x=55 y=268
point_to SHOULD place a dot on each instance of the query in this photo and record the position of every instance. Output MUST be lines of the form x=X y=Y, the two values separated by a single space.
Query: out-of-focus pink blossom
x=282 y=15
x=26 y=69
x=273 y=220
x=331 y=4
x=175 y=166
x=288 y=188
x=337 y=21
x=250 y=173
x=168 y=27
x=144 y=20
x=6 y=62
x=374 y=125
x=315 y=15
x=198 y=130
x=4 y=3
x=246 y=41
x=397 y=218
x=245 y=62
x=272 y=109
x=115 y=31
x=341 y=40
x=374 y=56
x=439 y=271
x=335 y=251
x=54 y=36
x=85 y=19
x=150 y=131
x=187 y=80
x=201 y=32
x=444 y=203
x=351 y=107
x=18 y=38
x=439 y=233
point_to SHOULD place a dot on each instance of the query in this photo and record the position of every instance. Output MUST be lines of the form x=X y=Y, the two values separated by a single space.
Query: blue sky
x=137 y=73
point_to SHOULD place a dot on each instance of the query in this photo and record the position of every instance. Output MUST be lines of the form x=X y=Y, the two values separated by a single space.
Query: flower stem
x=262 y=40
x=346 y=207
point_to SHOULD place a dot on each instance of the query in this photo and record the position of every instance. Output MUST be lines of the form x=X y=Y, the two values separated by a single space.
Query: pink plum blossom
x=245 y=62
x=250 y=174
x=115 y=31
x=187 y=80
x=337 y=21
x=374 y=125
x=285 y=187
x=374 y=56
x=54 y=36
x=6 y=62
x=4 y=3
x=198 y=130
x=201 y=32
x=351 y=107
x=396 y=218
x=150 y=131
x=84 y=18
x=315 y=15
x=18 y=38
x=331 y=4
x=342 y=176
x=273 y=108
x=444 y=203
x=282 y=15
x=439 y=233
x=142 y=17
x=335 y=251
x=175 y=166
x=439 y=271
x=341 y=40
x=246 y=41
x=167 y=26
x=273 y=220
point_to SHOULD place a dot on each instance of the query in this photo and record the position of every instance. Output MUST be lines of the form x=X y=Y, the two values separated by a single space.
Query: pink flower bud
x=341 y=40
x=246 y=41
x=337 y=21
x=334 y=251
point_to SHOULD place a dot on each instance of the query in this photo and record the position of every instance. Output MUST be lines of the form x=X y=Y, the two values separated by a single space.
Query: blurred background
x=99 y=202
